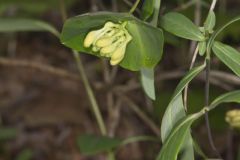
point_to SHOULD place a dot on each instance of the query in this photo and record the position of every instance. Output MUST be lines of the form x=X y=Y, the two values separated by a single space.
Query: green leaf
x=210 y=22
x=147 y=79
x=176 y=138
x=202 y=47
x=7 y=133
x=175 y=109
x=144 y=50
x=147 y=9
x=233 y=96
x=26 y=154
x=228 y=55
x=199 y=150
x=173 y=113
x=91 y=144
x=20 y=25
x=188 y=149
x=181 y=26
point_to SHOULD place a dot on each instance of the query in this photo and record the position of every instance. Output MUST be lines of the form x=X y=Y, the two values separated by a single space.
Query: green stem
x=134 y=6
x=157 y=5
x=89 y=90
x=207 y=84
x=91 y=96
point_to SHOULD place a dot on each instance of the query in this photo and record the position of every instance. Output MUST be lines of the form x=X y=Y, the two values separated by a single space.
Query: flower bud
x=233 y=118
x=103 y=42
x=110 y=41
x=111 y=48
x=118 y=55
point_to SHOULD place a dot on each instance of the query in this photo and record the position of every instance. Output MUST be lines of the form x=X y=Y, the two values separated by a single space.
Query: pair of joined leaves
x=143 y=43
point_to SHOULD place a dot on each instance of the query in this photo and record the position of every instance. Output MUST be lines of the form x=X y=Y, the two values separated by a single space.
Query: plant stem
x=81 y=70
x=157 y=6
x=210 y=138
x=208 y=66
x=134 y=6
x=95 y=107
x=91 y=96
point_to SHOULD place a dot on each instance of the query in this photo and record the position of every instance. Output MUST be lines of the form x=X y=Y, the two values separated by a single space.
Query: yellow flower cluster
x=110 y=41
x=233 y=118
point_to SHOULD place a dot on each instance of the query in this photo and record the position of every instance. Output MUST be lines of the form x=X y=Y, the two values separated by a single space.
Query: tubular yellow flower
x=91 y=36
x=94 y=35
x=118 y=55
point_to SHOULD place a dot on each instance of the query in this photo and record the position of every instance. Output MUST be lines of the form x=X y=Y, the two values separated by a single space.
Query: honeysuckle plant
x=136 y=44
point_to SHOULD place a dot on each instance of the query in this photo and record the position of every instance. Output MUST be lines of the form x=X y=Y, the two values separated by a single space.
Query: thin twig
x=186 y=88
x=141 y=114
x=38 y=66
x=130 y=4
x=216 y=79
x=230 y=144
x=134 y=6
x=227 y=77
x=185 y=5
x=91 y=96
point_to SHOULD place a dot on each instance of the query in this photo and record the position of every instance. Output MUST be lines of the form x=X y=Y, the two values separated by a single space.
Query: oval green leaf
x=181 y=26
x=228 y=55
x=143 y=51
